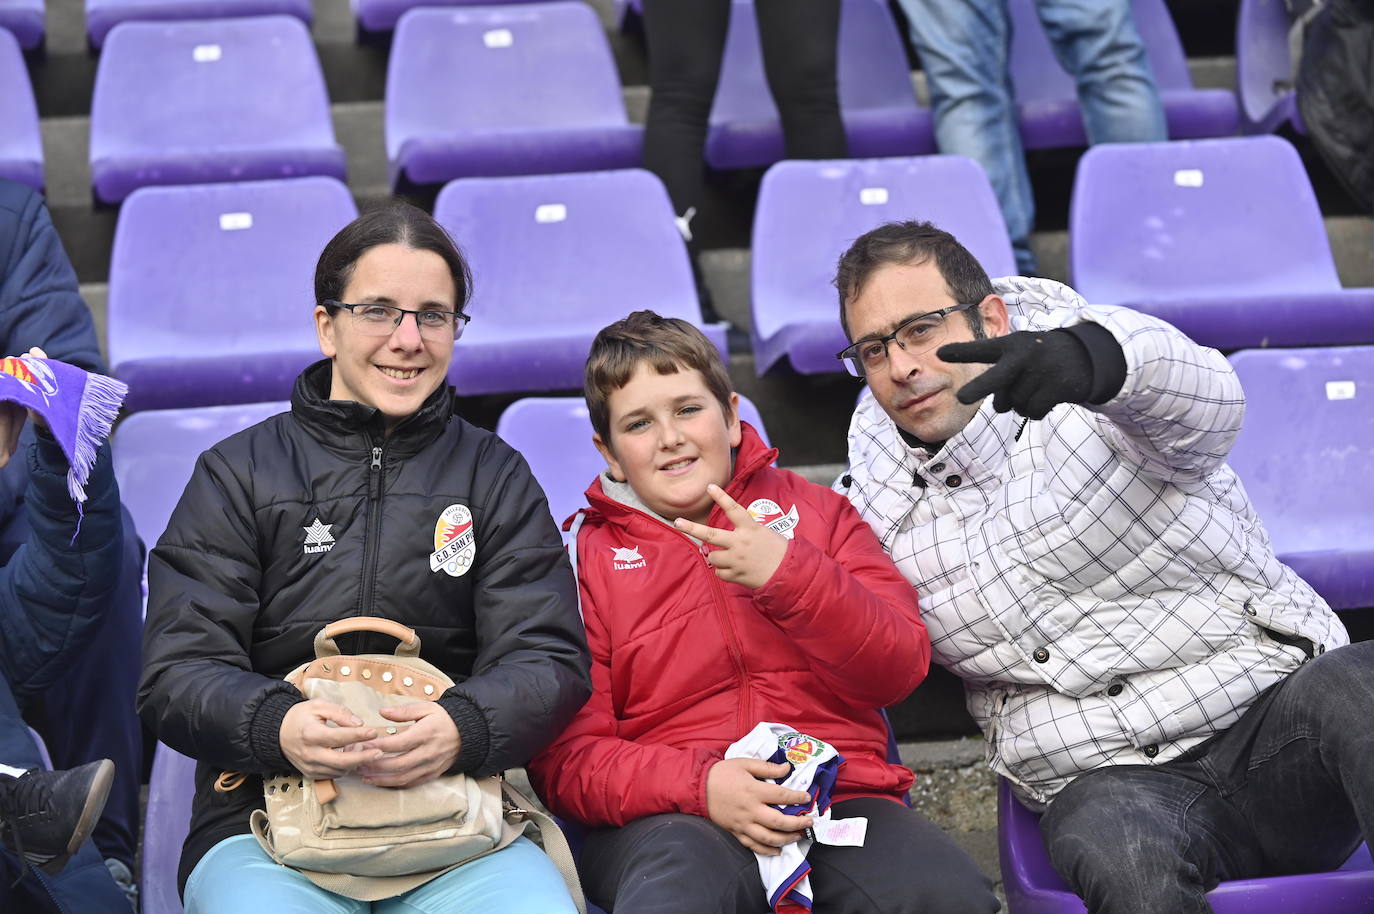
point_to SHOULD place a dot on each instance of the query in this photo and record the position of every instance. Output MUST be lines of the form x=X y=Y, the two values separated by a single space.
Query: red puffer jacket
x=684 y=664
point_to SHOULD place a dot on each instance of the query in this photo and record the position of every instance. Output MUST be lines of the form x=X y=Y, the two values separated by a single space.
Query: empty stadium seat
x=24 y=20
x=1264 y=68
x=166 y=822
x=1048 y=100
x=216 y=100
x=1033 y=887
x=103 y=15
x=211 y=289
x=1312 y=497
x=21 y=145
x=877 y=101
x=1221 y=238
x=554 y=434
x=555 y=259
x=155 y=452
x=382 y=15
x=513 y=90
x=795 y=307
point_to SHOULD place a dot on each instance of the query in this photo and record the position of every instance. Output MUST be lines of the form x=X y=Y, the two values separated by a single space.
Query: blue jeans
x=1288 y=788
x=963 y=46
x=236 y=877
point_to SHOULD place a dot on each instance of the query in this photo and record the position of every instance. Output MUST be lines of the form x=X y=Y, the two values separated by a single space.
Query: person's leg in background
x=907 y=865
x=963 y=46
x=84 y=884
x=1096 y=41
x=799 y=39
x=668 y=863
x=518 y=879
x=90 y=713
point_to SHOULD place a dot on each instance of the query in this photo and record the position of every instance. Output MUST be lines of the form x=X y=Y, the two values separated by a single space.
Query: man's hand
x=1031 y=372
x=415 y=754
x=316 y=749
x=740 y=803
x=12 y=417
x=748 y=554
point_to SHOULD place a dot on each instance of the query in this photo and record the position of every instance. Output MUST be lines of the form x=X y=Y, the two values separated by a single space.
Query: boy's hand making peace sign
x=748 y=554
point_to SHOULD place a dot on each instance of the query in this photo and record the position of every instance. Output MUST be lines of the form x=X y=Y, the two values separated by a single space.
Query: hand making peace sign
x=748 y=554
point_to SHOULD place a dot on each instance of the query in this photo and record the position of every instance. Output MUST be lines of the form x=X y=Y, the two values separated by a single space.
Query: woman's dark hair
x=395 y=222
x=913 y=243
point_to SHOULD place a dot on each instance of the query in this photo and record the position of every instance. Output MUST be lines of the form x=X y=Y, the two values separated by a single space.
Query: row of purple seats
x=210 y=285
x=21 y=145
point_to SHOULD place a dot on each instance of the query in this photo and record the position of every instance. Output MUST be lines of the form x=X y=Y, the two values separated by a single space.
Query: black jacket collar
x=350 y=426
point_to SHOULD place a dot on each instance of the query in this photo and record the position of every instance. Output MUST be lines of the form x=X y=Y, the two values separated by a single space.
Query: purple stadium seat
x=382 y=15
x=211 y=288
x=1313 y=499
x=1264 y=68
x=513 y=90
x=1033 y=887
x=215 y=100
x=166 y=823
x=1048 y=100
x=554 y=434
x=1221 y=238
x=21 y=146
x=877 y=101
x=24 y=20
x=555 y=259
x=103 y=15
x=795 y=310
x=154 y=453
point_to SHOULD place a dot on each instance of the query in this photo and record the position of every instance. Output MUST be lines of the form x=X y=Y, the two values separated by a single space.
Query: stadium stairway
x=806 y=415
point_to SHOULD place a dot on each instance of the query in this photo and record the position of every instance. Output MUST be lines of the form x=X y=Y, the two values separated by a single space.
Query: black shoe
x=45 y=815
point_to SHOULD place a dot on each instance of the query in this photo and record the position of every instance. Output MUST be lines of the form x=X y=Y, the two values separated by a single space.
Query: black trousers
x=673 y=863
x=686 y=40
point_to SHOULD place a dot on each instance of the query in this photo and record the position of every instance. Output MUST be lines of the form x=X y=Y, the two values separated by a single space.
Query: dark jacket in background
x=236 y=597
x=1336 y=92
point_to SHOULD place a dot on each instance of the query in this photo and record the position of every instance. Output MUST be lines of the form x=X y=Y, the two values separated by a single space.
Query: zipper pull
x=376 y=458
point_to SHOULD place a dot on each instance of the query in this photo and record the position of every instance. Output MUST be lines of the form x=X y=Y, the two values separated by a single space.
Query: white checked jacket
x=1098 y=578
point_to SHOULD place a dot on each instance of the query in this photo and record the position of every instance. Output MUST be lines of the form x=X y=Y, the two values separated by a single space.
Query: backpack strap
x=573 y=529
x=552 y=837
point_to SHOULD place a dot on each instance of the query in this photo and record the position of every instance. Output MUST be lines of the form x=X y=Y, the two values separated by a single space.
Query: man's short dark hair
x=913 y=243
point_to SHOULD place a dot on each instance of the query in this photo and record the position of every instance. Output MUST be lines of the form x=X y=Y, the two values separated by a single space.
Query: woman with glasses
x=370 y=497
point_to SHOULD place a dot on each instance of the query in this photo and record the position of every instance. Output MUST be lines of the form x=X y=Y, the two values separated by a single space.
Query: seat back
x=155 y=452
x=793 y=264
x=191 y=102
x=877 y=101
x=554 y=259
x=501 y=67
x=1264 y=67
x=211 y=289
x=21 y=146
x=24 y=20
x=1307 y=441
x=166 y=823
x=554 y=435
x=1033 y=887
x=1223 y=218
x=103 y=15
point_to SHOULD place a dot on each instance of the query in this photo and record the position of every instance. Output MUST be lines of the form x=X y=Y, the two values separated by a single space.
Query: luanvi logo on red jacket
x=626 y=559
x=770 y=514
x=455 y=541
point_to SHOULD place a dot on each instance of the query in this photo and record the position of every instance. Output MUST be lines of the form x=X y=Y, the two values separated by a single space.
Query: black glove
x=1032 y=372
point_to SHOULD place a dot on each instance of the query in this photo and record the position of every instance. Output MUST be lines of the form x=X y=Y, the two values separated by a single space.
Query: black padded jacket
x=315 y=515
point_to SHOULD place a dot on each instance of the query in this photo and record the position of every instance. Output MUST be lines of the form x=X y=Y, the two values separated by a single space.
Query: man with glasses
x=1050 y=476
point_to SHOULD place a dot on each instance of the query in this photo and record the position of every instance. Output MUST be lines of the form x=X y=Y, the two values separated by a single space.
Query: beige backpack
x=368 y=842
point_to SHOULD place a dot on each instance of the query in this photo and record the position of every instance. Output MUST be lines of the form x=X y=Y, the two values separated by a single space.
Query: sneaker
x=45 y=815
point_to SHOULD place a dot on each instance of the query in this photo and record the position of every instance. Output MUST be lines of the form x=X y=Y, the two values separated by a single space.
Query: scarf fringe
x=100 y=403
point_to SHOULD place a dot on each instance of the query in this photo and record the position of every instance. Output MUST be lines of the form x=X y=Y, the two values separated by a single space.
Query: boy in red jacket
x=719 y=592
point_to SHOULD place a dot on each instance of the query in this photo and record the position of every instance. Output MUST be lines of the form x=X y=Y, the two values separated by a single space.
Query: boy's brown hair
x=668 y=344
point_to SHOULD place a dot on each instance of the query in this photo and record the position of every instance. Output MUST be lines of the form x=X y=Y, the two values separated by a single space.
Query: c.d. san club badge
x=455 y=541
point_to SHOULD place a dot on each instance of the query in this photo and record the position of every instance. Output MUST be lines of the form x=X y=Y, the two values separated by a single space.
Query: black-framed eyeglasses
x=920 y=334
x=382 y=320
